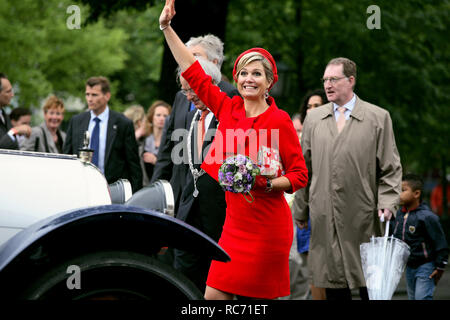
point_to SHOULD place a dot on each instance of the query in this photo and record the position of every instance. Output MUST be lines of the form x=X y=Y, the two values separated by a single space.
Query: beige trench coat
x=352 y=175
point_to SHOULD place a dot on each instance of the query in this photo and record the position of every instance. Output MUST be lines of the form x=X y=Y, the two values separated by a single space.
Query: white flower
x=237 y=176
x=249 y=165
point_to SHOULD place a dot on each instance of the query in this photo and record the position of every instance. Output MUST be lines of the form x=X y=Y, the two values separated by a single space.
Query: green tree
x=41 y=55
x=140 y=75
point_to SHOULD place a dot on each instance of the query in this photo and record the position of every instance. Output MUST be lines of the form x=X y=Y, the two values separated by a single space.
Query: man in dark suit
x=112 y=136
x=9 y=133
x=209 y=47
x=202 y=201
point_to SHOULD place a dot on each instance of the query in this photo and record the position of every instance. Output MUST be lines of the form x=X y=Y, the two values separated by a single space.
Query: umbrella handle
x=386 y=233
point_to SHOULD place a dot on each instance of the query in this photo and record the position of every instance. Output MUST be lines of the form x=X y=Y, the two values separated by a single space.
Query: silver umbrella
x=383 y=262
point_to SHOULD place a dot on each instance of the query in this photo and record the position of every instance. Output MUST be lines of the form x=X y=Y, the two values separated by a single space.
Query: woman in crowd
x=313 y=99
x=256 y=235
x=156 y=116
x=136 y=114
x=48 y=137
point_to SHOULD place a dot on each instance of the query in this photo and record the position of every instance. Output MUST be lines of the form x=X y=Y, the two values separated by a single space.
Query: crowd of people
x=337 y=156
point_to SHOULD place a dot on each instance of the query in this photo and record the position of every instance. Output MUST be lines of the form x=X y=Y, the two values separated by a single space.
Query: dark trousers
x=345 y=294
x=194 y=266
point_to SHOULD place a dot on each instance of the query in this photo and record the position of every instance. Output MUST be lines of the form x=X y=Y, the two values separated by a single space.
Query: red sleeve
x=210 y=94
x=292 y=156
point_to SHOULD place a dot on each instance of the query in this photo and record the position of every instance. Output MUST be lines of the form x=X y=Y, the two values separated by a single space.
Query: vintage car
x=66 y=234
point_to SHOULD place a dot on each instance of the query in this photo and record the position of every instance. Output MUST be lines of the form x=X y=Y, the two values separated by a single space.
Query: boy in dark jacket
x=419 y=227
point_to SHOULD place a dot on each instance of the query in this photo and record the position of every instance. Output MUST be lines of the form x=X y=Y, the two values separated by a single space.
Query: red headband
x=266 y=55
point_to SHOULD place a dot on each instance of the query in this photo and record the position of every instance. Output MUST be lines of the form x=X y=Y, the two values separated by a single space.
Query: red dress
x=257 y=235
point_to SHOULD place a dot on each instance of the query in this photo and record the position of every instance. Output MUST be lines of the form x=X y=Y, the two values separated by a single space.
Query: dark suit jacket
x=5 y=140
x=164 y=167
x=207 y=211
x=121 y=152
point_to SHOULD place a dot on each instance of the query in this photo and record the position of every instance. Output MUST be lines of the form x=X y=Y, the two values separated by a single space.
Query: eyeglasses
x=333 y=80
x=188 y=91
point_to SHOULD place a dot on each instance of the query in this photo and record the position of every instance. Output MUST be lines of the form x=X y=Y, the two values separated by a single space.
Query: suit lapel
x=358 y=110
x=110 y=134
x=330 y=120
x=189 y=118
x=187 y=113
x=84 y=126
x=209 y=135
x=7 y=124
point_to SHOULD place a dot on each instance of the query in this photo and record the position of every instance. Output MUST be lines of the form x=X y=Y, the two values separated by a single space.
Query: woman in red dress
x=256 y=235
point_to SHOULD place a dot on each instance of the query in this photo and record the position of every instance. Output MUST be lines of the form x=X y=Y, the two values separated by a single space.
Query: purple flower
x=237 y=174
x=242 y=169
x=229 y=160
x=240 y=159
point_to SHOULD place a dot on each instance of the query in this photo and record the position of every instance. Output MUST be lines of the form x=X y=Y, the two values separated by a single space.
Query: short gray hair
x=210 y=69
x=348 y=66
x=212 y=45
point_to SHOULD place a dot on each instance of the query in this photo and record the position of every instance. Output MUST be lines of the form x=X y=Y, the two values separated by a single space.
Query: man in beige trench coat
x=355 y=177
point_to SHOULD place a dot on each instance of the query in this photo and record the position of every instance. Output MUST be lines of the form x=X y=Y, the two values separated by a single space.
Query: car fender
x=108 y=225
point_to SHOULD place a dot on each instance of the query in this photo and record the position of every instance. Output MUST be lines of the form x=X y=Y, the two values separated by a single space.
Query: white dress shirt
x=104 y=116
x=349 y=105
x=208 y=119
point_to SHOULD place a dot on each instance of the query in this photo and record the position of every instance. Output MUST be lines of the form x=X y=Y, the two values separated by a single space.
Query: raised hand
x=167 y=14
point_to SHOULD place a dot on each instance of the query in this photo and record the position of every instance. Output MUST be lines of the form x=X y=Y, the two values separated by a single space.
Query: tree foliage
x=41 y=55
x=403 y=66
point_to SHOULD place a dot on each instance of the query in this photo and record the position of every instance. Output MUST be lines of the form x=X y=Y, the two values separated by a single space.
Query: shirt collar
x=404 y=209
x=102 y=116
x=349 y=105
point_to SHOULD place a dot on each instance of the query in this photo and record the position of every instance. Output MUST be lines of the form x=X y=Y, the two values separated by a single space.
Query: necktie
x=341 y=119
x=201 y=132
x=95 y=141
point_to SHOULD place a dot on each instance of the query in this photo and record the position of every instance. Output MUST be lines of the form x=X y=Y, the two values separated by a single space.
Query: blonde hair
x=135 y=113
x=255 y=56
x=53 y=102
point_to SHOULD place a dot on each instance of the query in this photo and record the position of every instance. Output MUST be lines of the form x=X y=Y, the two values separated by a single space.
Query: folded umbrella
x=383 y=262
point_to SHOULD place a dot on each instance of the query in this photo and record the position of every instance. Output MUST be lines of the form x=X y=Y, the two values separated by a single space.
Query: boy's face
x=408 y=196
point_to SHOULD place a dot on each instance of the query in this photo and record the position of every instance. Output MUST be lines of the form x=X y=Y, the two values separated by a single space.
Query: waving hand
x=167 y=14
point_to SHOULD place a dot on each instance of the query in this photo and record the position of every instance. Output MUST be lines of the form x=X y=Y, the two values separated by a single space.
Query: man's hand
x=386 y=213
x=302 y=224
x=437 y=274
x=23 y=130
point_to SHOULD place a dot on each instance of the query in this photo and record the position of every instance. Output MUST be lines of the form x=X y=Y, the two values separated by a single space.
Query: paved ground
x=442 y=291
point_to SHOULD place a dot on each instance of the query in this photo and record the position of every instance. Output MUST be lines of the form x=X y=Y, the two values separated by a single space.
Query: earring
x=266 y=95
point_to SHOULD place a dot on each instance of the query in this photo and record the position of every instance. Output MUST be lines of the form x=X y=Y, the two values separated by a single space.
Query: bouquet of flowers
x=237 y=174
